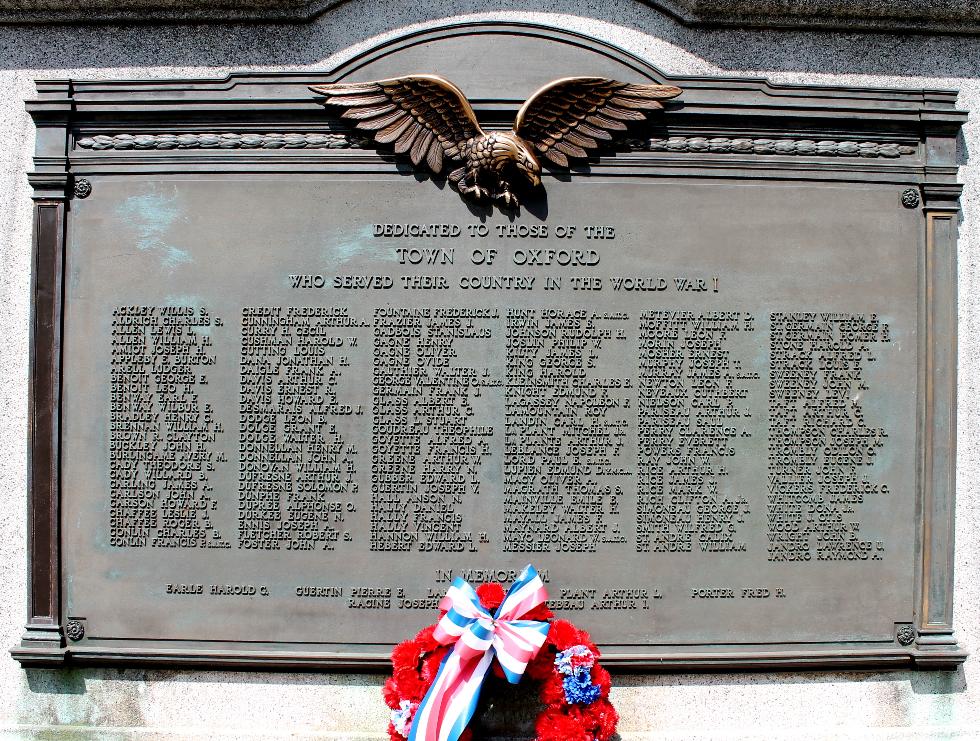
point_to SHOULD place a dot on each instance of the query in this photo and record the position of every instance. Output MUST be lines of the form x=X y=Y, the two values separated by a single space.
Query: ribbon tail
x=463 y=705
x=451 y=701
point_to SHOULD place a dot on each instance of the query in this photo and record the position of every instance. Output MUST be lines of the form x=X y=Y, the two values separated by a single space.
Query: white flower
x=402 y=718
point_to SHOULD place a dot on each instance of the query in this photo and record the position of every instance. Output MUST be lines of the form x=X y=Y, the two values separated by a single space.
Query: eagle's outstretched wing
x=425 y=115
x=569 y=116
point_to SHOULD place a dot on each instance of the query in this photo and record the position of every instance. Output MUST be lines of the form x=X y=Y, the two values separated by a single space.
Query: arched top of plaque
x=498 y=63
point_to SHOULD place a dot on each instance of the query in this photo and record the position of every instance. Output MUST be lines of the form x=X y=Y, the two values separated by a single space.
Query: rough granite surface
x=121 y=704
x=937 y=16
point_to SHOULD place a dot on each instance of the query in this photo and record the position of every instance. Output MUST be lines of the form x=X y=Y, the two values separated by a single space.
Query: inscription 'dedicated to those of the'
x=460 y=409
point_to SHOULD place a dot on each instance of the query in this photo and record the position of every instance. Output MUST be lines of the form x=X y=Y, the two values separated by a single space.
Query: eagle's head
x=516 y=150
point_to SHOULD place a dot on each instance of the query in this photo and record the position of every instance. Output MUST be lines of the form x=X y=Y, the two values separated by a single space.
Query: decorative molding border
x=141 y=11
x=677 y=144
x=43 y=642
x=221 y=141
x=908 y=16
x=788 y=147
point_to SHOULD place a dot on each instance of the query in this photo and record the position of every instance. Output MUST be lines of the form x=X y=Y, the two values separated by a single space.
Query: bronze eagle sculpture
x=429 y=118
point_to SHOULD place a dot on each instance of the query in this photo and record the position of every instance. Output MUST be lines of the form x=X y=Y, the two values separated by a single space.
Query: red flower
x=552 y=691
x=390 y=693
x=542 y=666
x=564 y=635
x=555 y=725
x=425 y=641
x=602 y=717
x=406 y=655
x=491 y=595
x=432 y=662
x=601 y=677
x=409 y=685
x=541 y=612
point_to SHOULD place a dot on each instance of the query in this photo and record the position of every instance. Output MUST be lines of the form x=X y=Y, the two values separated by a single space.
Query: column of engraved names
x=162 y=433
x=297 y=467
x=428 y=443
x=567 y=417
x=821 y=448
x=693 y=397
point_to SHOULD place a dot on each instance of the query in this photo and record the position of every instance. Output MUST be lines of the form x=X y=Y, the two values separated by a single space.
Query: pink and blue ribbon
x=477 y=636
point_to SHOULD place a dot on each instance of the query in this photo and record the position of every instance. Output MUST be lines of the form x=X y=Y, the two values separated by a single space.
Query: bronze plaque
x=702 y=383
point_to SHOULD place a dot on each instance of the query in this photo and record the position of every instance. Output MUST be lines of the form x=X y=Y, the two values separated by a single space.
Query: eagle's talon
x=478 y=193
x=507 y=199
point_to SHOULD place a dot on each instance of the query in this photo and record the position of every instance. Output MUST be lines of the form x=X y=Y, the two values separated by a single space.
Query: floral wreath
x=572 y=686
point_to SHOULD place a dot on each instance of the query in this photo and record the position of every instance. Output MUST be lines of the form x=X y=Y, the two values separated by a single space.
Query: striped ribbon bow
x=451 y=700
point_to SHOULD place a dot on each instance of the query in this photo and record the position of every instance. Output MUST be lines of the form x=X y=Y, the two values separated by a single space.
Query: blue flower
x=579 y=689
